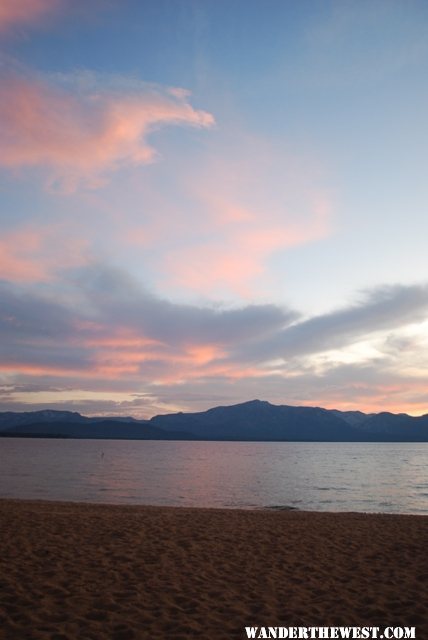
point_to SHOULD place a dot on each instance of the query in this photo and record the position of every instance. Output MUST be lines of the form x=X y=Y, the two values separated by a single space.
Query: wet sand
x=95 y=572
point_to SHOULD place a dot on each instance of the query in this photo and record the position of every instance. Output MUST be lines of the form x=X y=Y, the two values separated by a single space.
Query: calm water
x=312 y=476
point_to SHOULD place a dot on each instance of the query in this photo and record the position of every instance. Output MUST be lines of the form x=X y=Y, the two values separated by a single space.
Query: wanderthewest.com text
x=309 y=633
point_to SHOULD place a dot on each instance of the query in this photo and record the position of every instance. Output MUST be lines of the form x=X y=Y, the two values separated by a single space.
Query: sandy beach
x=94 y=572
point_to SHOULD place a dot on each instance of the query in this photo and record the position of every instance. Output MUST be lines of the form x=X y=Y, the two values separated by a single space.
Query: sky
x=204 y=202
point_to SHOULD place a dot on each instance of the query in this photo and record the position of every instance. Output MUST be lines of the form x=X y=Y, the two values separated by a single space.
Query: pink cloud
x=403 y=397
x=125 y=351
x=33 y=255
x=81 y=128
x=113 y=352
x=17 y=251
x=192 y=367
x=235 y=256
x=14 y=12
x=104 y=350
x=238 y=206
x=203 y=354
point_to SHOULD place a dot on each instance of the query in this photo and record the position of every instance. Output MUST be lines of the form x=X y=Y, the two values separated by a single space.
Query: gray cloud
x=71 y=336
x=357 y=384
x=24 y=314
x=383 y=308
x=43 y=330
x=119 y=300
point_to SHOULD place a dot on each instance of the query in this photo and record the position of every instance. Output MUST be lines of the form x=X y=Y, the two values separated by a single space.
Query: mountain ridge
x=254 y=420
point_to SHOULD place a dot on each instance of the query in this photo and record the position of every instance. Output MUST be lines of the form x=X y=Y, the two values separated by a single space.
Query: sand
x=81 y=571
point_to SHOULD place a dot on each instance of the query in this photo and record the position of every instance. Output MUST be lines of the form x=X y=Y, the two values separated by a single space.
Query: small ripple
x=331 y=488
x=281 y=507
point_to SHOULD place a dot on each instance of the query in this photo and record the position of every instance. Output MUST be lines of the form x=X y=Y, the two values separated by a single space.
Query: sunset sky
x=204 y=202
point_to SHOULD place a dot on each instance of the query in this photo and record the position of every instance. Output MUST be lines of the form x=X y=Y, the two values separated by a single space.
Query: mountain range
x=255 y=420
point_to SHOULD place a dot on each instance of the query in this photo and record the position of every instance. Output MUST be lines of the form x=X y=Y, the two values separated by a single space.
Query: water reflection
x=324 y=476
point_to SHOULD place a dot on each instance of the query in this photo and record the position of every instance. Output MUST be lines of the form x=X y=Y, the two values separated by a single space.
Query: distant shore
x=73 y=570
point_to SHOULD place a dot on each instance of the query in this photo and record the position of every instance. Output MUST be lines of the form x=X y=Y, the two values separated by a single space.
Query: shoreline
x=74 y=570
x=267 y=508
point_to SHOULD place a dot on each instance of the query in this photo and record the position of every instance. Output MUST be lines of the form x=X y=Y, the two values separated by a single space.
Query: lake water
x=372 y=477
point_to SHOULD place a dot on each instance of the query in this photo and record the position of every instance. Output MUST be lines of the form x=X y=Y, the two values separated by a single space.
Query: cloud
x=109 y=338
x=16 y=12
x=380 y=309
x=118 y=297
x=31 y=315
x=108 y=327
x=237 y=259
x=81 y=127
x=229 y=213
x=30 y=254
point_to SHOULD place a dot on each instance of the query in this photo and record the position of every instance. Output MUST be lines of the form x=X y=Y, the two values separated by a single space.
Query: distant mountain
x=254 y=421
x=67 y=424
x=10 y=419
x=352 y=417
x=260 y=420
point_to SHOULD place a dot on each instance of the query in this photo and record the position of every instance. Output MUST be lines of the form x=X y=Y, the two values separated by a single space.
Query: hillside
x=254 y=421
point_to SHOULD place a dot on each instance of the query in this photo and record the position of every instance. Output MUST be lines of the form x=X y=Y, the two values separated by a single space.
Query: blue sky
x=205 y=201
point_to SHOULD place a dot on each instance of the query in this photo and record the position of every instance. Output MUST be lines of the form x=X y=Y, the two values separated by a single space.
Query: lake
x=369 y=477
